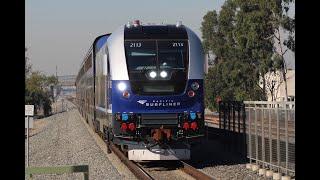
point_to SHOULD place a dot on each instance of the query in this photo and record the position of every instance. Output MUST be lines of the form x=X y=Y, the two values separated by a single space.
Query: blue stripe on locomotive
x=138 y=104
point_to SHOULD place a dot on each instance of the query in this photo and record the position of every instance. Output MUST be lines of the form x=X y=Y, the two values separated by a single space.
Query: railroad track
x=139 y=172
x=142 y=172
x=194 y=172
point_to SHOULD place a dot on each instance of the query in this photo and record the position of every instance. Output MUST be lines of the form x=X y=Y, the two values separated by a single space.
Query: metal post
x=229 y=119
x=220 y=104
x=239 y=109
x=256 y=133
x=224 y=126
x=224 y=116
x=28 y=141
x=239 y=142
x=262 y=136
x=278 y=139
x=233 y=117
x=233 y=144
x=270 y=137
x=287 y=145
x=294 y=130
x=244 y=130
x=250 y=151
x=229 y=140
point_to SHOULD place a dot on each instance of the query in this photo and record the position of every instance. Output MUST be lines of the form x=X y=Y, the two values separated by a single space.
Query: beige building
x=208 y=61
x=275 y=85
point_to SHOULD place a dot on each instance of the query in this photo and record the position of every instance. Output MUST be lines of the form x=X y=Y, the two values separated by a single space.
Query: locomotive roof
x=155 y=32
x=115 y=43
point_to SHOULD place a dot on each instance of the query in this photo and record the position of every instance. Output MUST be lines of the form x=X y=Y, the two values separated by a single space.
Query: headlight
x=122 y=86
x=195 y=86
x=152 y=74
x=163 y=74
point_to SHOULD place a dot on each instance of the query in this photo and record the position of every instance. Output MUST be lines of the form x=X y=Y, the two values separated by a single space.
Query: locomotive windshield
x=141 y=55
x=145 y=56
x=171 y=54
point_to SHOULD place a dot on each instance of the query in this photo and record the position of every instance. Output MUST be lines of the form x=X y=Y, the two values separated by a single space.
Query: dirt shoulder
x=38 y=126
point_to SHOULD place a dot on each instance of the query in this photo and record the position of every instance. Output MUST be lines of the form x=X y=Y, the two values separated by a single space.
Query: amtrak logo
x=142 y=101
x=159 y=103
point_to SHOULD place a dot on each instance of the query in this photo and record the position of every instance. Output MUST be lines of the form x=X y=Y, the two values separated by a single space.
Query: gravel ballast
x=214 y=160
x=66 y=141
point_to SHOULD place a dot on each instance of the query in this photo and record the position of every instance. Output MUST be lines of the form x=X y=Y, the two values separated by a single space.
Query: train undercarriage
x=154 y=142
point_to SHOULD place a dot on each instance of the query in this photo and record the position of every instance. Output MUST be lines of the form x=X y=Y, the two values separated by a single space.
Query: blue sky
x=59 y=32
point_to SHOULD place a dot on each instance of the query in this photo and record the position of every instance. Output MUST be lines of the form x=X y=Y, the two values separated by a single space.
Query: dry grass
x=38 y=125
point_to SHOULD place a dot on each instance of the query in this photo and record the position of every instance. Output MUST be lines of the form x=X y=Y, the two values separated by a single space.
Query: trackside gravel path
x=66 y=140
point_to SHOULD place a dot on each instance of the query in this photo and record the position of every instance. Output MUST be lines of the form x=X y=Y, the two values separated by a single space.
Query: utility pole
x=56 y=86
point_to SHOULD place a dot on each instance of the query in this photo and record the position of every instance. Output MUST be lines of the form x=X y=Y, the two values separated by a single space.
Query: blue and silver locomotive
x=141 y=87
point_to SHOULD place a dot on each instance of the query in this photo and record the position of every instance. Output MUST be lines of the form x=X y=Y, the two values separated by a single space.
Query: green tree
x=37 y=93
x=252 y=31
x=282 y=21
x=36 y=85
x=52 y=80
x=241 y=37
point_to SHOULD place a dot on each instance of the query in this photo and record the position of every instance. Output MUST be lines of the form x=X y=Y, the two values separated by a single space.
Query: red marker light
x=132 y=127
x=185 y=126
x=136 y=23
x=123 y=127
x=194 y=125
x=126 y=94
x=191 y=93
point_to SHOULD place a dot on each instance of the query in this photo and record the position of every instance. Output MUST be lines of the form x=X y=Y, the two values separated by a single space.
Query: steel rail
x=134 y=168
x=195 y=173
